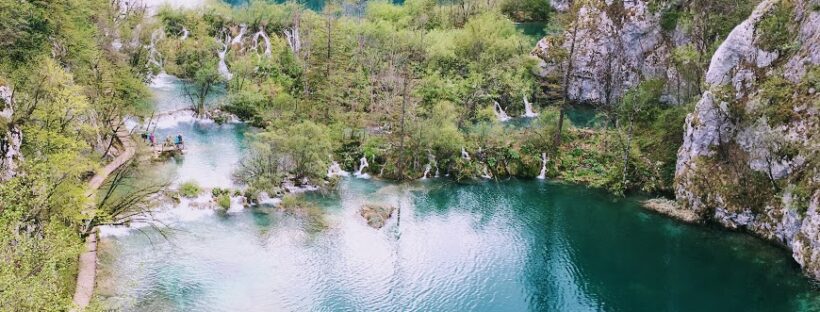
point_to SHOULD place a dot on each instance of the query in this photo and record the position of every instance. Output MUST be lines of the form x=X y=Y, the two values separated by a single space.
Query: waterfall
x=184 y=34
x=431 y=163
x=223 y=67
x=292 y=37
x=427 y=169
x=528 y=109
x=486 y=174
x=464 y=154
x=238 y=39
x=499 y=111
x=362 y=164
x=154 y=57
x=11 y=138
x=336 y=170
x=543 y=174
x=261 y=33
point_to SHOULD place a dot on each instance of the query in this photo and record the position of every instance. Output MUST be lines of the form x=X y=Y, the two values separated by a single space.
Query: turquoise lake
x=517 y=245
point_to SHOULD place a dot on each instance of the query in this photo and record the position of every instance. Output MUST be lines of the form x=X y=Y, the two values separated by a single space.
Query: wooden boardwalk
x=167 y=150
x=87 y=266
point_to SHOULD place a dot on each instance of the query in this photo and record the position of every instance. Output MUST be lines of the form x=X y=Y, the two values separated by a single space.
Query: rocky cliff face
x=10 y=137
x=750 y=154
x=560 y=5
x=617 y=44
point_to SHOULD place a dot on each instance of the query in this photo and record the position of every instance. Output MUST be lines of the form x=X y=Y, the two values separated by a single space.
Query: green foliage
x=669 y=19
x=224 y=201
x=776 y=31
x=70 y=89
x=779 y=94
x=301 y=149
x=527 y=10
x=189 y=189
x=312 y=214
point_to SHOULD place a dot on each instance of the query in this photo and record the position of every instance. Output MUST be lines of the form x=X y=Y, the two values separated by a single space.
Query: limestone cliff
x=617 y=44
x=750 y=154
x=560 y=5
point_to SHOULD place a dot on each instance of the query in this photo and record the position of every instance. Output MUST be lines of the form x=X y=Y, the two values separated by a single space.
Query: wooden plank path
x=160 y=150
x=87 y=266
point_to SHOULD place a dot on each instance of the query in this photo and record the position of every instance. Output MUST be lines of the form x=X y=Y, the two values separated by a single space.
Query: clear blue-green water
x=514 y=246
x=533 y=30
x=511 y=246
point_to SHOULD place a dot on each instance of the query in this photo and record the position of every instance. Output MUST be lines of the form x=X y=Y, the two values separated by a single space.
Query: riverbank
x=87 y=264
x=671 y=209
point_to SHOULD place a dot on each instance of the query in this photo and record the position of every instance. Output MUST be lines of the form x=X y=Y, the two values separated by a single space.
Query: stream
x=519 y=245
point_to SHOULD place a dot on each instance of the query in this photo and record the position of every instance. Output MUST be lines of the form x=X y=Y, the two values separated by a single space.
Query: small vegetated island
x=359 y=130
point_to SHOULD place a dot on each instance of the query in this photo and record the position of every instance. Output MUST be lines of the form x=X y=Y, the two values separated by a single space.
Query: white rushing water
x=238 y=39
x=154 y=56
x=543 y=174
x=362 y=164
x=185 y=34
x=528 y=112
x=427 y=169
x=335 y=170
x=464 y=154
x=292 y=37
x=500 y=113
x=223 y=67
x=485 y=173
x=261 y=33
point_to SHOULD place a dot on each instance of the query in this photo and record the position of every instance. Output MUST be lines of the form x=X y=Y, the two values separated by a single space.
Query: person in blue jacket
x=179 y=142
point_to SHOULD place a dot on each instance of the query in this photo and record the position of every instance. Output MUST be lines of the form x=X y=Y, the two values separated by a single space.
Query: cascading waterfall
x=362 y=164
x=543 y=174
x=431 y=162
x=238 y=39
x=485 y=173
x=500 y=113
x=223 y=67
x=528 y=109
x=464 y=154
x=261 y=33
x=336 y=170
x=292 y=37
x=154 y=57
x=427 y=169
x=185 y=33
x=11 y=138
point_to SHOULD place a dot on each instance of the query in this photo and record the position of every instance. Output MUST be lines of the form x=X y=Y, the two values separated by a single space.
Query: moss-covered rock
x=376 y=215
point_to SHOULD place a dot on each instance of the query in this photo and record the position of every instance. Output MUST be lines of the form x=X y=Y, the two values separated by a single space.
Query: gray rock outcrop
x=749 y=158
x=618 y=44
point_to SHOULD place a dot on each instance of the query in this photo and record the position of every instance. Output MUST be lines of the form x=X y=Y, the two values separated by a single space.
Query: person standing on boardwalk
x=179 y=141
x=152 y=139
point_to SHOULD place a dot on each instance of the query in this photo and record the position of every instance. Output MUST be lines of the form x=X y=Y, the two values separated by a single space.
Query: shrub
x=776 y=32
x=312 y=214
x=224 y=201
x=190 y=189
x=669 y=19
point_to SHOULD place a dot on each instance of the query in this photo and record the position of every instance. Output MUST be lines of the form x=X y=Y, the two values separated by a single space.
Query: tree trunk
x=403 y=113
x=565 y=101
